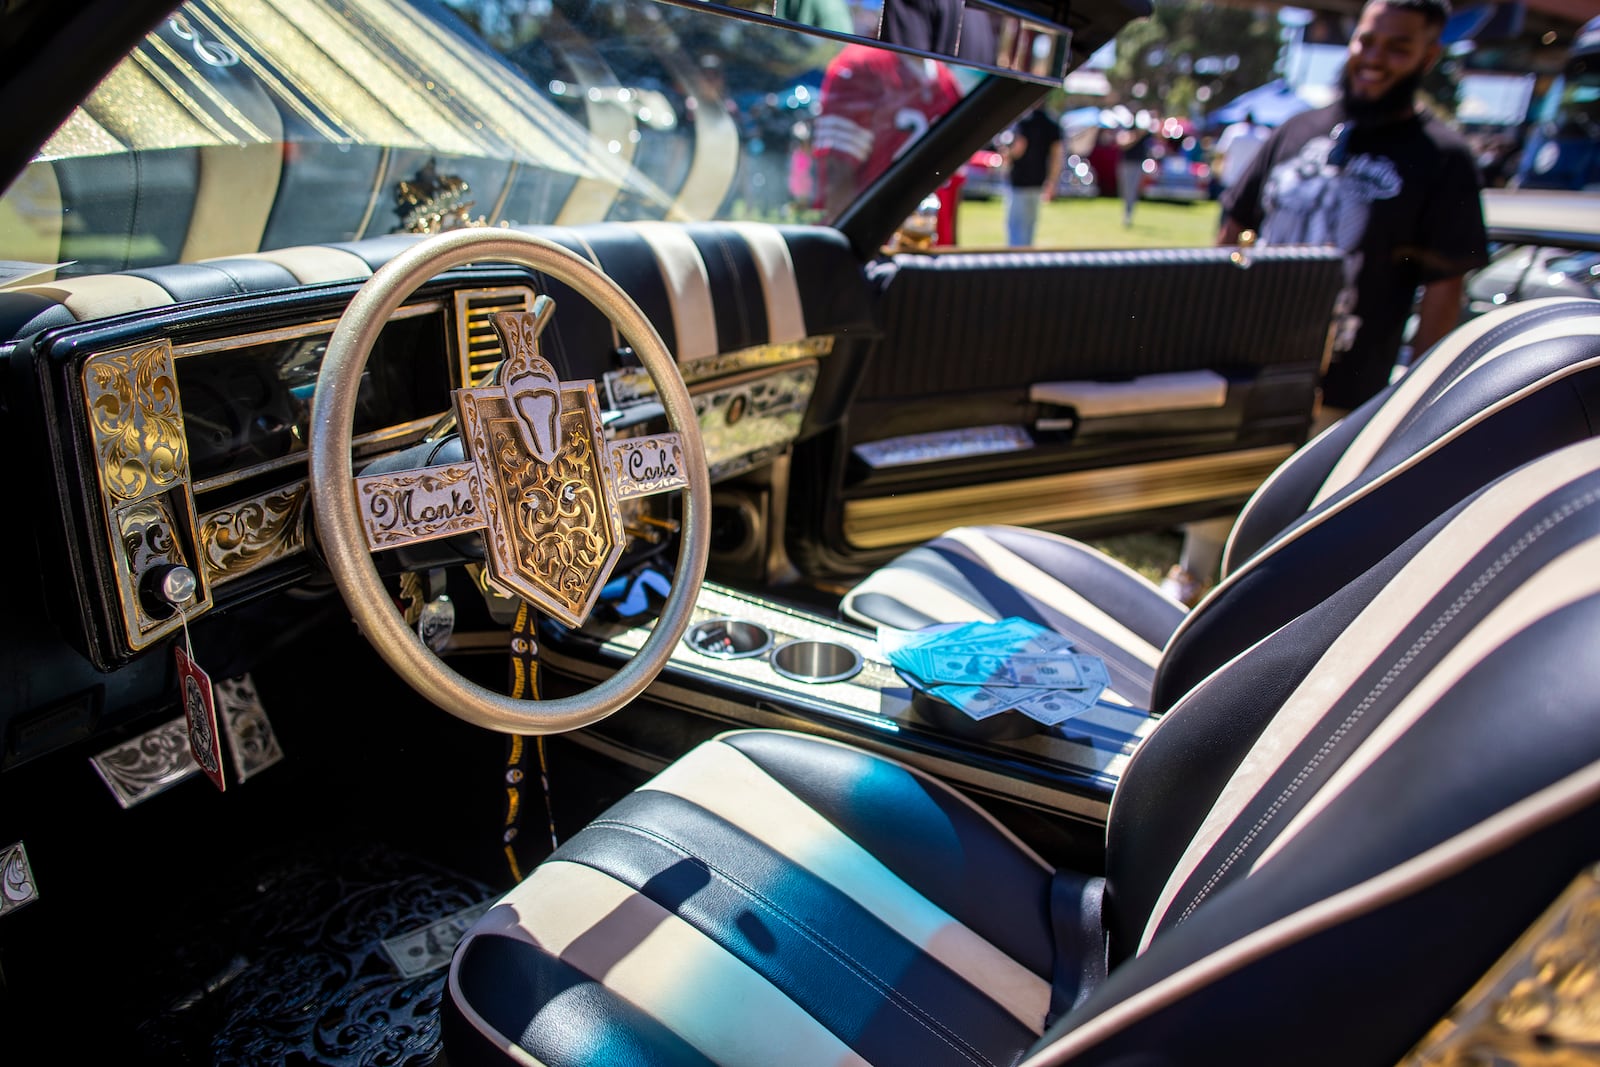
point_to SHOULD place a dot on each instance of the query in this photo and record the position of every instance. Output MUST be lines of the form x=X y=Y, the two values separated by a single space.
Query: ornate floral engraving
x=132 y=395
x=16 y=879
x=559 y=531
x=250 y=737
x=136 y=420
x=146 y=529
x=631 y=385
x=253 y=533
x=554 y=529
x=1539 y=1006
x=143 y=766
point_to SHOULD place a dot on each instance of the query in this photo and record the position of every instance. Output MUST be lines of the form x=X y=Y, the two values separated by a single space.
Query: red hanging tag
x=200 y=713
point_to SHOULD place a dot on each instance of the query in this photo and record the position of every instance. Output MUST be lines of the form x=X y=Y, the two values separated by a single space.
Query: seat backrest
x=1323 y=847
x=1499 y=391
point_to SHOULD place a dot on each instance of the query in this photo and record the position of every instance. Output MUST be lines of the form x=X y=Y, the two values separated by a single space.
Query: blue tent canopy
x=1270 y=104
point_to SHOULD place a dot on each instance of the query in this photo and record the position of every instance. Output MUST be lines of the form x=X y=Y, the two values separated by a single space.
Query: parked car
x=1544 y=243
x=494 y=583
x=1177 y=171
x=984 y=175
x=1077 y=178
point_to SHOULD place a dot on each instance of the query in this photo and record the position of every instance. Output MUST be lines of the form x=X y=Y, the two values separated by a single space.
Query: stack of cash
x=985 y=668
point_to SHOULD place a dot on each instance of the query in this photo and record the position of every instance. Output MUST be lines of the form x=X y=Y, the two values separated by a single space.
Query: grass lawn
x=1094 y=223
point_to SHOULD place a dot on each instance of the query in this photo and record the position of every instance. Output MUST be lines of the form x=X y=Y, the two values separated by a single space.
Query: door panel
x=1080 y=391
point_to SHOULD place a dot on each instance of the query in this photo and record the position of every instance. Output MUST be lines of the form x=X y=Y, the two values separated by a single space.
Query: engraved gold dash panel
x=142 y=464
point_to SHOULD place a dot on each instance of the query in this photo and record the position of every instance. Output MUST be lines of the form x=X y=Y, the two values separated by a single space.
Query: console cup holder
x=728 y=638
x=816 y=661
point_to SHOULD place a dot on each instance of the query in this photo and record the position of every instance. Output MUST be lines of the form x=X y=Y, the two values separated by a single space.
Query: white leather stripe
x=711 y=168
x=311 y=264
x=1391 y=612
x=1548 y=331
x=929 y=597
x=1012 y=568
x=786 y=320
x=1565 y=580
x=96 y=296
x=668 y=969
x=688 y=288
x=935 y=784
x=237 y=187
x=1420 y=378
x=727 y=783
x=1442 y=861
x=1394 y=472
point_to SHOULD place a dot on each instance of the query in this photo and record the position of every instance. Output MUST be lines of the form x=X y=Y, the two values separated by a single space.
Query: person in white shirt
x=1237 y=146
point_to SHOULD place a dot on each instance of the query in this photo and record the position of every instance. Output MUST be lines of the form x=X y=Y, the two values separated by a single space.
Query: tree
x=1192 y=55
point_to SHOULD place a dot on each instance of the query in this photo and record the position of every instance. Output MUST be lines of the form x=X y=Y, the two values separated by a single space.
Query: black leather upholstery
x=820 y=272
x=1317 y=851
x=1098 y=314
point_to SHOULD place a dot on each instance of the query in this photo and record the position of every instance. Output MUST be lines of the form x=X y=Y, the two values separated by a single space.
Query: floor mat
x=334 y=958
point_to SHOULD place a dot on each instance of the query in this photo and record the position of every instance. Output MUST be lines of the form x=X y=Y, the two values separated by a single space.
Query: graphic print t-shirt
x=1399 y=198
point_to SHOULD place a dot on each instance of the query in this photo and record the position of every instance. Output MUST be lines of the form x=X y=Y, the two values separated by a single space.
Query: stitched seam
x=1439 y=625
x=856 y=967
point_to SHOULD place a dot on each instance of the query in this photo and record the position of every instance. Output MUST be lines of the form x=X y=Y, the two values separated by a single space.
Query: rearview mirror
x=984 y=34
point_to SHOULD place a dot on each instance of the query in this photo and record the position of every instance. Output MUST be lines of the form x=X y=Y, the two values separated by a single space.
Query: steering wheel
x=346 y=540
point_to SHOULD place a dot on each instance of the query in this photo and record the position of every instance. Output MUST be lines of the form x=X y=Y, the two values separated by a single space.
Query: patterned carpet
x=335 y=959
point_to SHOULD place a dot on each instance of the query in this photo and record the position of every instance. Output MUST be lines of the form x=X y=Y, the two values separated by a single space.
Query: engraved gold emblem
x=539 y=479
x=1539 y=1005
x=142 y=461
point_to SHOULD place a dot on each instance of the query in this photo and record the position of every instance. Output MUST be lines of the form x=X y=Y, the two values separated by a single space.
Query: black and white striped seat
x=1315 y=854
x=1502 y=389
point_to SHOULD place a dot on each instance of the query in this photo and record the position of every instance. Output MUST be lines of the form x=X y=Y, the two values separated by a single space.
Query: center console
x=746 y=661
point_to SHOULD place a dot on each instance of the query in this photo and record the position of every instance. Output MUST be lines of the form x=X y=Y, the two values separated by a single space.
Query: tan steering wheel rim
x=338 y=521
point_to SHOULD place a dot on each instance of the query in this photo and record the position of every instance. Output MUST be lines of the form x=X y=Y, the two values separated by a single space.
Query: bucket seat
x=1316 y=856
x=1500 y=390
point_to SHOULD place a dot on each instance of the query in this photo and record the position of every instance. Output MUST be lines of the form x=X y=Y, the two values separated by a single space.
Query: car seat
x=1496 y=392
x=1315 y=857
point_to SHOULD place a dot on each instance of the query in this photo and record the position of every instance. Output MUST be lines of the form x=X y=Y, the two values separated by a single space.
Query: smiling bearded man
x=1386 y=182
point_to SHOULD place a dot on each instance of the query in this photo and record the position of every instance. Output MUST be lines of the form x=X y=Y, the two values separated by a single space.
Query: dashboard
x=174 y=442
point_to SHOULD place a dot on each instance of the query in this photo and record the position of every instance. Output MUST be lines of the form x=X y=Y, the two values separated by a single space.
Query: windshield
x=246 y=125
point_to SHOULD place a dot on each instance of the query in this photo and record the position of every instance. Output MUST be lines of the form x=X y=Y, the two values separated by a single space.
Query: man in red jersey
x=874 y=104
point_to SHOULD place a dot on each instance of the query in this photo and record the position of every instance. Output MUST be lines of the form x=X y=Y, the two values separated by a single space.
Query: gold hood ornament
x=430 y=202
x=539 y=479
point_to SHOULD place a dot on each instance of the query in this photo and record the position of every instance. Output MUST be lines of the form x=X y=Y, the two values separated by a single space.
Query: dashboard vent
x=478 y=344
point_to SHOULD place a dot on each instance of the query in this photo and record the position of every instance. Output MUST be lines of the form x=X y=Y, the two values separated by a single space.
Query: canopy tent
x=1270 y=104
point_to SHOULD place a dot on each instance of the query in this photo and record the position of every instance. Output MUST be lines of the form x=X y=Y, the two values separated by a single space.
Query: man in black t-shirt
x=1034 y=148
x=1392 y=187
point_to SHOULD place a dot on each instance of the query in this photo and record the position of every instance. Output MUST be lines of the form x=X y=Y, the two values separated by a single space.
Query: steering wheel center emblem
x=540 y=480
